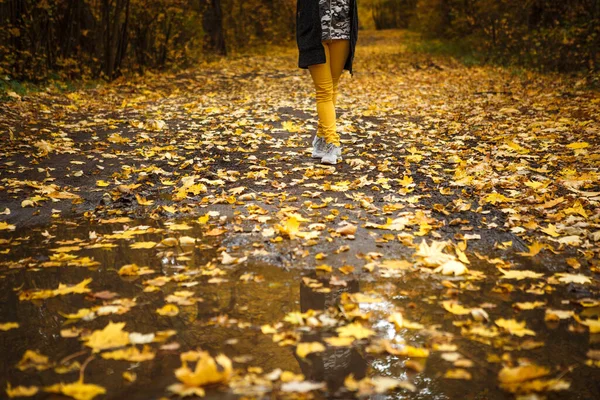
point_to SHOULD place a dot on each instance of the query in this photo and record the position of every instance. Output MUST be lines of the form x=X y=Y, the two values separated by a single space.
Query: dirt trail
x=467 y=202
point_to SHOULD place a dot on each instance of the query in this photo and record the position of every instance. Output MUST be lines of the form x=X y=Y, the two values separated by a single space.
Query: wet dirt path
x=453 y=253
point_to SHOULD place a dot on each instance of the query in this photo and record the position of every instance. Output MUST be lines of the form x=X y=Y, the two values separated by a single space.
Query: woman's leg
x=322 y=79
x=339 y=49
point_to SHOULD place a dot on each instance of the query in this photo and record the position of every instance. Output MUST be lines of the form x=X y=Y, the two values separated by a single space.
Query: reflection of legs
x=323 y=81
x=338 y=50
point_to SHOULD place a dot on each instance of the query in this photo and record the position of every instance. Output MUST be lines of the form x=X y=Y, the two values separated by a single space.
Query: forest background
x=105 y=39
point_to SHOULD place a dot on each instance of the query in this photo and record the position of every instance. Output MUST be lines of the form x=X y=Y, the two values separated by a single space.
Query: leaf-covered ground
x=170 y=235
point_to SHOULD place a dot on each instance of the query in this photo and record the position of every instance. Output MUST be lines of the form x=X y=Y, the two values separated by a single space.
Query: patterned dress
x=335 y=19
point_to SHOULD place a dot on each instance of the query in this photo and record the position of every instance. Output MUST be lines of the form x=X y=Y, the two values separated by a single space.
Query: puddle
x=233 y=301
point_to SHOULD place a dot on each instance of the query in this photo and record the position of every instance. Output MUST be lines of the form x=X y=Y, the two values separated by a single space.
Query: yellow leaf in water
x=397 y=319
x=522 y=373
x=33 y=359
x=77 y=390
x=21 y=391
x=129 y=376
x=169 y=310
x=518 y=275
x=8 y=326
x=458 y=373
x=355 y=330
x=82 y=312
x=452 y=267
x=395 y=264
x=208 y=369
x=134 y=270
x=592 y=324
x=111 y=336
x=528 y=305
x=143 y=245
x=132 y=354
x=62 y=290
x=179 y=227
x=514 y=327
x=305 y=348
x=433 y=256
x=337 y=341
x=557 y=315
x=455 y=308
x=323 y=267
x=102 y=183
x=573 y=278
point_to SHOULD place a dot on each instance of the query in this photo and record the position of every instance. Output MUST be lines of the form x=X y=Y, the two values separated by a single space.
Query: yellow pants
x=325 y=77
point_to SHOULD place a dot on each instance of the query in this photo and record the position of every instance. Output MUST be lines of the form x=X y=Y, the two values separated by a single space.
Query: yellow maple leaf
x=337 y=341
x=169 y=310
x=433 y=255
x=21 y=391
x=458 y=373
x=592 y=324
x=132 y=354
x=519 y=275
x=63 y=289
x=494 y=198
x=111 y=336
x=290 y=126
x=305 y=348
x=8 y=326
x=33 y=359
x=534 y=249
x=6 y=226
x=551 y=230
x=142 y=201
x=355 y=330
x=208 y=369
x=134 y=270
x=290 y=227
x=522 y=373
x=529 y=305
x=573 y=278
x=397 y=319
x=578 y=145
x=77 y=390
x=129 y=376
x=455 y=308
x=143 y=245
x=514 y=327
x=451 y=267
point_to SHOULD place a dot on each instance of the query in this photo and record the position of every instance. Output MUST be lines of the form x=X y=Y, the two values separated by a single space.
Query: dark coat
x=308 y=34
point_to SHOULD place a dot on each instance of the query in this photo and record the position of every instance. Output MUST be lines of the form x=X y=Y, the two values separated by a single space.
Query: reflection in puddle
x=223 y=302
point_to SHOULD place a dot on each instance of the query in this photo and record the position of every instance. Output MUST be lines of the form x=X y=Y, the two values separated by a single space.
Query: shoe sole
x=337 y=161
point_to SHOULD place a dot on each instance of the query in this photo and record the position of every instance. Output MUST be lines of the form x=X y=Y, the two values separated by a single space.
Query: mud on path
x=454 y=251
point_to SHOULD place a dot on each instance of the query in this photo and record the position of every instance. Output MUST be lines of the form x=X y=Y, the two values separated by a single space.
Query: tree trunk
x=212 y=23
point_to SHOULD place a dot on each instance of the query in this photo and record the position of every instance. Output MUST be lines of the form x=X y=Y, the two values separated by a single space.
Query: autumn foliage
x=104 y=38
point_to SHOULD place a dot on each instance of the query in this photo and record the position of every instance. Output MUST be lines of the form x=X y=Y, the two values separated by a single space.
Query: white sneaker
x=332 y=155
x=318 y=147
